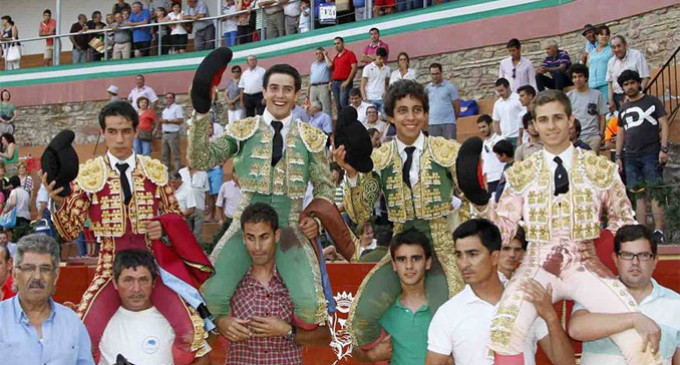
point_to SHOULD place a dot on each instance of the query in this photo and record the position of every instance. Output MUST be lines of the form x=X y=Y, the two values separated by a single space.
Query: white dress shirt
x=396 y=75
x=419 y=144
x=507 y=112
x=525 y=74
x=633 y=60
x=198 y=181
x=136 y=92
x=229 y=198
x=287 y=121
x=170 y=112
x=132 y=164
x=491 y=165
x=566 y=157
x=252 y=80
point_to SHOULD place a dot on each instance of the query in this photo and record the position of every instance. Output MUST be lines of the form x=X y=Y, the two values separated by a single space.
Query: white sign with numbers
x=327 y=13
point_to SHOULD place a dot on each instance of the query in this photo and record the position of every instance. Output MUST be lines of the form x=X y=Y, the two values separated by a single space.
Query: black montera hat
x=469 y=171
x=60 y=161
x=349 y=132
x=208 y=75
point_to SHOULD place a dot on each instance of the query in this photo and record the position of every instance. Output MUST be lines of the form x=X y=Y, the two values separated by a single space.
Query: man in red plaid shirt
x=262 y=329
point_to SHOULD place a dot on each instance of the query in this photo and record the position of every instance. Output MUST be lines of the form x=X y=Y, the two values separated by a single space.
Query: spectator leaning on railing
x=9 y=32
x=122 y=39
x=204 y=30
x=80 y=41
x=229 y=26
x=48 y=27
x=141 y=37
x=95 y=23
x=178 y=33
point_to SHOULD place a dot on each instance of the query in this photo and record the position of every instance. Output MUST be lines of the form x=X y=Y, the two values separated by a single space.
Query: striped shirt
x=561 y=59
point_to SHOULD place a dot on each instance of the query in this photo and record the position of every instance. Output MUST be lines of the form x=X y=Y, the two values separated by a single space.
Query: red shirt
x=250 y=299
x=342 y=65
x=7 y=291
x=146 y=120
x=371 y=49
x=47 y=28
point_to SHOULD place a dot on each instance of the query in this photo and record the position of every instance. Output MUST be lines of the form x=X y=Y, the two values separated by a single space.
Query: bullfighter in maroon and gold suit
x=123 y=204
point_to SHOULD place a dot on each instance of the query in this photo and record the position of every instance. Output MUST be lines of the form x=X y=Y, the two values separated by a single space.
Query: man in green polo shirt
x=408 y=319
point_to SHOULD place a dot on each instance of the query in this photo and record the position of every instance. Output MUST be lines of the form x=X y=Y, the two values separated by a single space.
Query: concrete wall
x=27 y=14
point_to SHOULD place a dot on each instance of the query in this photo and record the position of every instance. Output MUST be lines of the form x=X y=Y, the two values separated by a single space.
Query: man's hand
x=539 y=297
x=234 y=329
x=619 y=163
x=612 y=106
x=269 y=327
x=663 y=158
x=309 y=228
x=541 y=69
x=344 y=85
x=339 y=154
x=154 y=230
x=649 y=331
x=382 y=351
x=51 y=191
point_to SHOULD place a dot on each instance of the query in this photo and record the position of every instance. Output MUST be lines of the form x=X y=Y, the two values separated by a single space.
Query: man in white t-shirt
x=358 y=104
x=492 y=167
x=184 y=194
x=171 y=120
x=375 y=78
x=138 y=331
x=142 y=90
x=507 y=113
x=462 y=326
x=372 y=121
x=198 y=181
x=228 y=199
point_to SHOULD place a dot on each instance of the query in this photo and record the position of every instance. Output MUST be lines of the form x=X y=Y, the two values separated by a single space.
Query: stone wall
x=474 y=71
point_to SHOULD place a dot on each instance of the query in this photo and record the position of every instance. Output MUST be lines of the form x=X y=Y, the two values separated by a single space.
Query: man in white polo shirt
x=624 y=59
x=142 y=90
x=635 y=256
x=171 y=120
x=462 y=326
x=507 y=113
x=375 y=78
x=251 y=83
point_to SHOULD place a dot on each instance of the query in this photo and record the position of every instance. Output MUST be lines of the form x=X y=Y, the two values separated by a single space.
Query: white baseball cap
x=113 y=89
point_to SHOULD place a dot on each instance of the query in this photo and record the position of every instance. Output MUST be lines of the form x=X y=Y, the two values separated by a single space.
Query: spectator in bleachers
x=141 y=37
x=80 y=41
x=250 y=85
x=186 y=199
x=178 y=32
x=171 y=121
x=359 y=10
x=375 y=78
x=367 y=239
x=204 y=30
x=518 y=70
x=507 y=112
x=274 y=18
x=383 y=7
x=588 y=106
x=142 y=90
x=511 y=255
x=162 y=32
x=575 y=136
x=20 y=199
x=155 y=4
x=40 y=329
x=344 y=67
x=598 y=61
x=9 y=32
x=5 y=188
x=228 y=199
x=371 y=49
x=491 y=166
x=112 y=90
x=624 y=59
x=305 y=20
x=94 y=23
x=26 y=181
x=5 y=273
x=319 y=79
x=300 y=113
x=373 y=121
x=8 y=112
x=642 y=145
x=319 y=118
x=533 y=144
x=9 y=153
x=229 y=26
x=403 y=71
x=147 y=123
x=376 y=137
x=291 y=12
x=505 y=153
x=122 y=39
x=444 y=104
x=245 y=22
x=526 y=94
x=383 y=237
x=42 y=205
x=232 y=96
x=47 y=27
x=198 y=182
x=590 y=34
x=556 y=64
x=119 y=6
x=126 y=14
x=357 y=102
x=215 y=177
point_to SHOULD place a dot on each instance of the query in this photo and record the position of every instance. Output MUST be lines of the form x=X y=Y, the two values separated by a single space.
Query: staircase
x=665 y=85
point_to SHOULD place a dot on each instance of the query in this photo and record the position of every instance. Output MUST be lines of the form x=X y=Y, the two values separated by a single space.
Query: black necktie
x=561 y=177
x=406 y=169
x=277 y=150
x=122 y=167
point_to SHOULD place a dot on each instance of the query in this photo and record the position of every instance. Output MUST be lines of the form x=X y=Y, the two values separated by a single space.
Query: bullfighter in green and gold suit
x=416 y=173
x=275 y=157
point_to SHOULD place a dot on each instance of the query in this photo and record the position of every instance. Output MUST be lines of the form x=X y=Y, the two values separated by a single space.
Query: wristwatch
x=290 y=336
x=664 y=149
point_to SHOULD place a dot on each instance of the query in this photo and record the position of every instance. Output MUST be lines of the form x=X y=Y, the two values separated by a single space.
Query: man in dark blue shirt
x=556 y=64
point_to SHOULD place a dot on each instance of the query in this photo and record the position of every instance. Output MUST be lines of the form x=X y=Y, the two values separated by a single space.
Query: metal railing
x=665 y=86
x=218 y=24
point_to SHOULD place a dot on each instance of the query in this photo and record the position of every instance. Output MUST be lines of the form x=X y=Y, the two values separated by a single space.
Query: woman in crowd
x=367 y=239
x=232 y=96
x=9 y=154
x=162 y=33
x=147 y=121
x=25 y=178
x=403 y=72
x=598 y=61
x=244 y=24
x=7 y=113
x=20 y=199
x=9 y=32
x=178 y=32
x=4 y=182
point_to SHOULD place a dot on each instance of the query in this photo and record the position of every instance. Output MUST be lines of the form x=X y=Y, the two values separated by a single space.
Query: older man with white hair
x=556 y=64
x=318 y=118
x=35 y=329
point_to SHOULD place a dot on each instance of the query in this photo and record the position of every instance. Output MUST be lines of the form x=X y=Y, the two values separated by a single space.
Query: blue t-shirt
x=441 y=102
x=142 y=34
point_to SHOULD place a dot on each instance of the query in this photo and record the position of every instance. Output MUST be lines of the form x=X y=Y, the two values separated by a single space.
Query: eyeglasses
x=42 y=269
x=642 y=256
x=514 y=71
